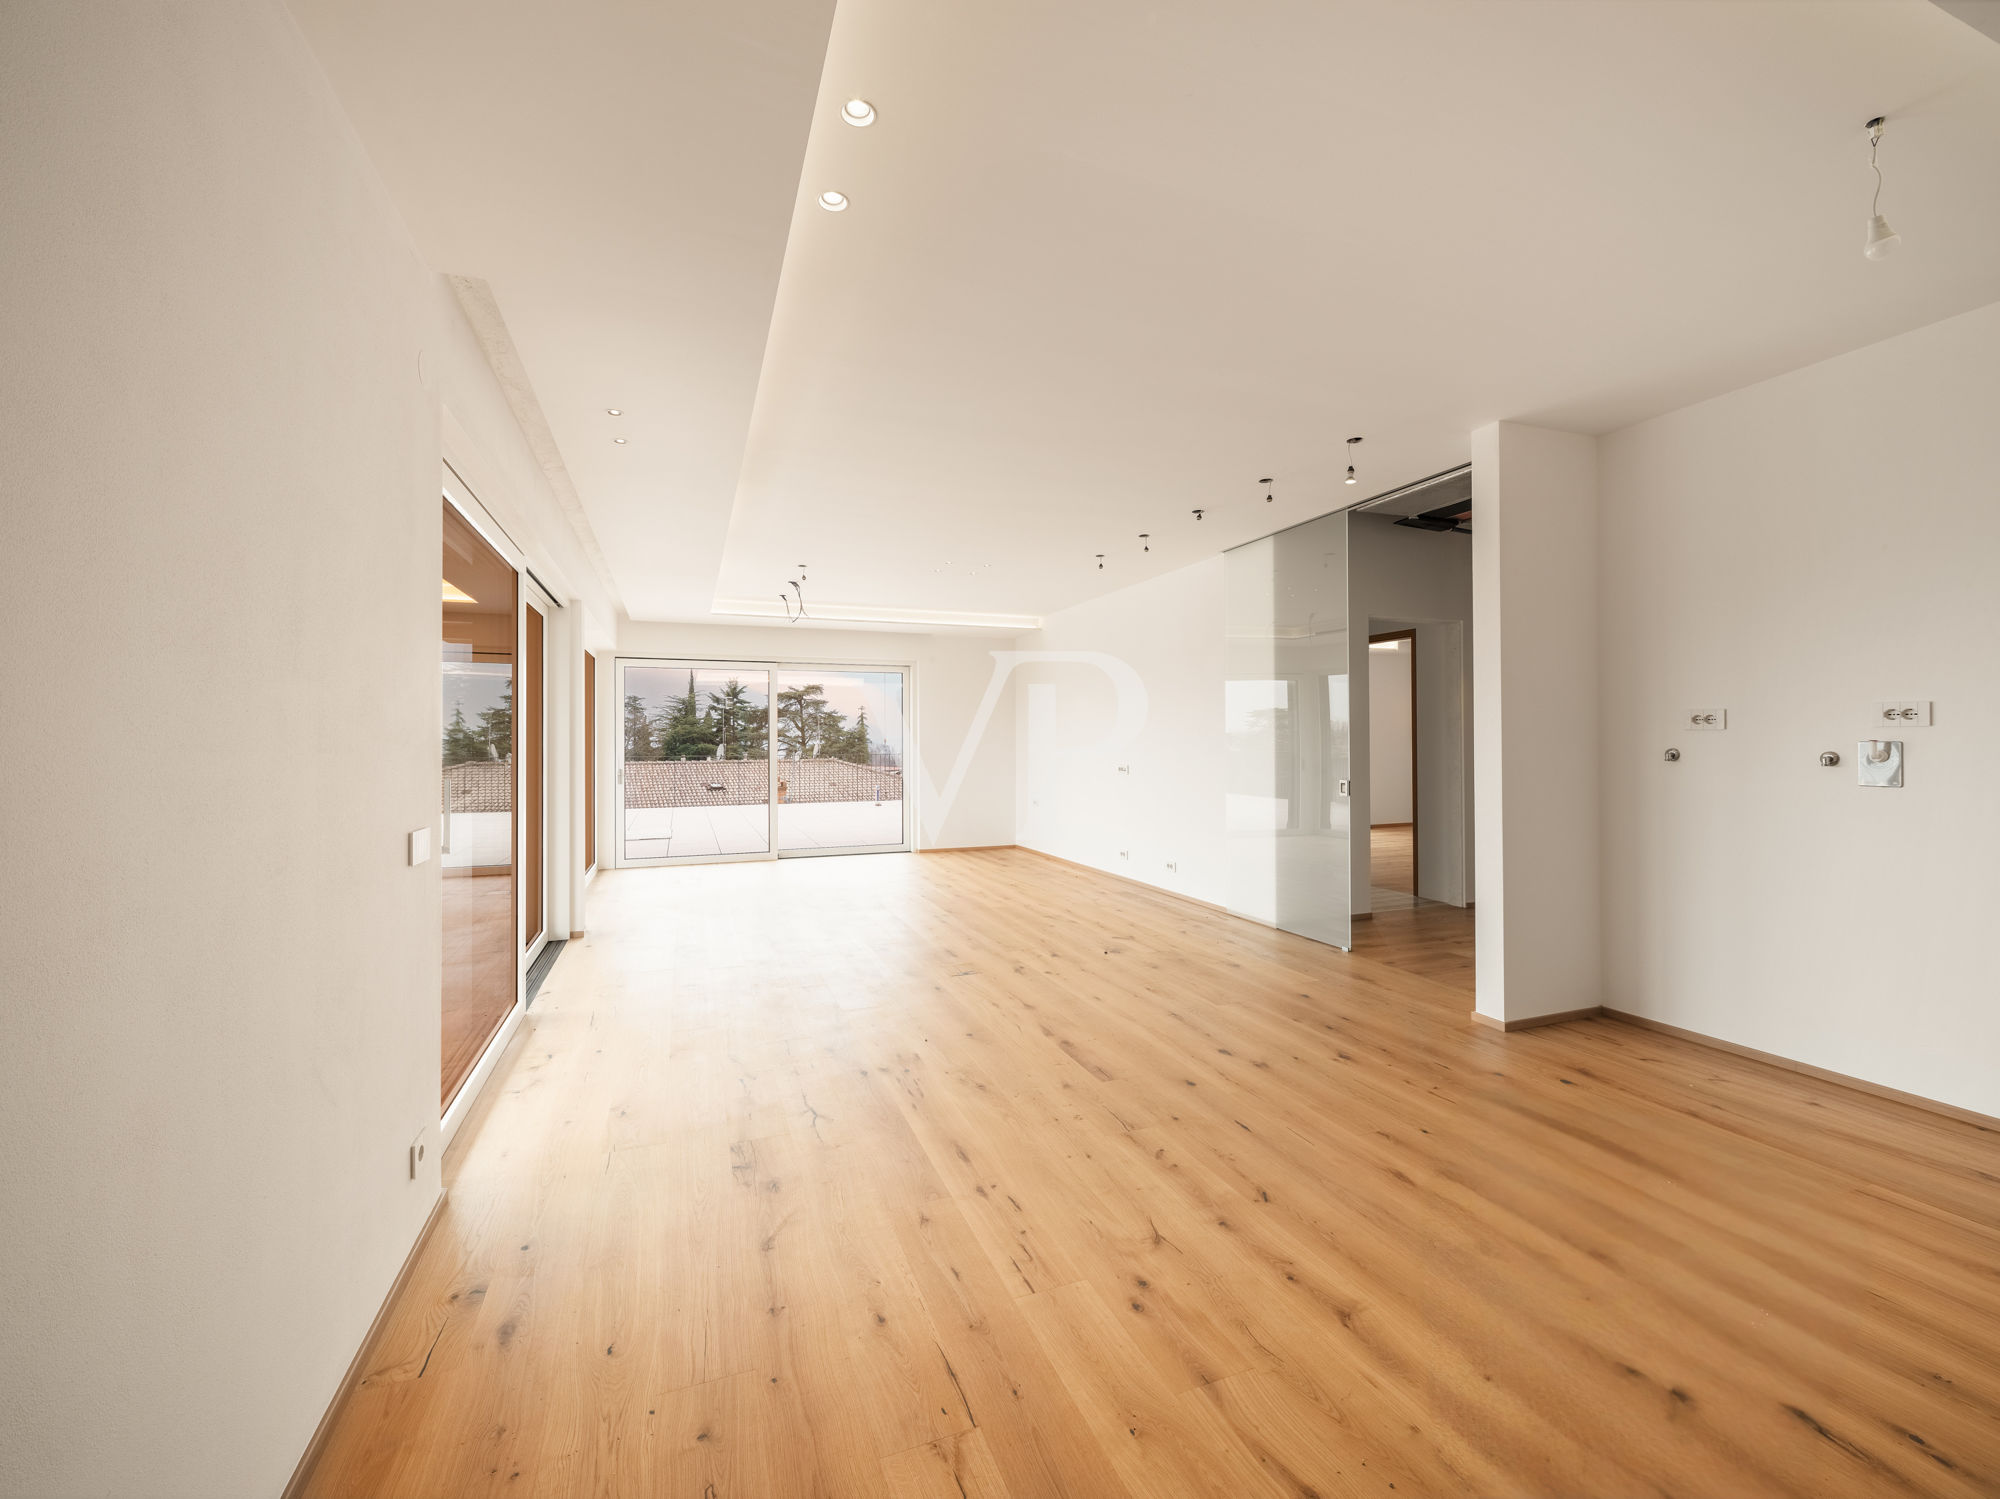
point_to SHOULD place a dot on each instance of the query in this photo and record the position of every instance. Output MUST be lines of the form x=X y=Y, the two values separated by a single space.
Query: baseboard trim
x=1126 y=879
x=302 y=1475
x=1824 y=1074
x=1751 y=1054
x=969 y=848
x=1532 y=1022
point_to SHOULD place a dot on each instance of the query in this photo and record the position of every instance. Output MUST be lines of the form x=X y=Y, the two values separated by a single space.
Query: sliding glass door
x=1285 y=714
x=754 y=760
x=695 y=780
x=839 y=735
x=477 y=823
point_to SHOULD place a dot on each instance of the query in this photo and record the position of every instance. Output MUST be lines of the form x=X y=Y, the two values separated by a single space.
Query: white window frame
x=773 y=764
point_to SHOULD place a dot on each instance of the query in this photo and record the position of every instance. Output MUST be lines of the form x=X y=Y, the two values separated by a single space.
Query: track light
x=1100 y=562
x=1145 y=541
x=1197 y=515
x=1350 y=467
x=1881 y=238
x=1268 y=497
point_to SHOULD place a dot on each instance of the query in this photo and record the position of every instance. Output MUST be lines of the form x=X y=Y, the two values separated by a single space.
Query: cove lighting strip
x=871 y=614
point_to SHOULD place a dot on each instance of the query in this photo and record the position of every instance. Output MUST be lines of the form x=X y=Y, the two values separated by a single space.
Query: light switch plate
x=1907 y=713
x=1705 y=720
x=420 y=847
x=1879 y=762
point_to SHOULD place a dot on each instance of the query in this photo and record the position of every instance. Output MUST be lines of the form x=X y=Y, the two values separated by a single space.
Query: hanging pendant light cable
x=1881 y=238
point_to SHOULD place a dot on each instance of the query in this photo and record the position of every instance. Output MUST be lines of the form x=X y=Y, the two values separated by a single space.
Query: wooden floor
x=1392 y=866
x=967 y=1175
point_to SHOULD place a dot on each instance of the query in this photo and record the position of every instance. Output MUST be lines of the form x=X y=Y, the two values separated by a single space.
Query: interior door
x=694 y=772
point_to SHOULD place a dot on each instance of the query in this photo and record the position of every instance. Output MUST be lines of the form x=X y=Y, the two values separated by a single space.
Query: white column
x=1534 y=606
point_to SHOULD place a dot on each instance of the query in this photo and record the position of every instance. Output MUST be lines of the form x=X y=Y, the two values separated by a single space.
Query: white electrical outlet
x=419 y=1149
x=1705 y=720
x=1907 y=714
x=1172 y=867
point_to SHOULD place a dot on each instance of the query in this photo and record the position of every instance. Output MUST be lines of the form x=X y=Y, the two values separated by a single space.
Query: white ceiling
x=620 y=173
x=1108 y=263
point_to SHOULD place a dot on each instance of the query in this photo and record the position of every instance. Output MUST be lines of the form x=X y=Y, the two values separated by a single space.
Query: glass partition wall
x=476 y=823
x=753 y=760
x=1285 y=708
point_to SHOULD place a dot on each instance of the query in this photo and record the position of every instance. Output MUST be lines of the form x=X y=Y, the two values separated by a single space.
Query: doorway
x=1393 y=789
x=740 y=760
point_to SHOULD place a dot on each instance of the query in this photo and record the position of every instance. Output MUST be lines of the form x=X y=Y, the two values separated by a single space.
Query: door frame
x=534 y=934
x=907 y=670
x=1416 y=805
x=459 y=495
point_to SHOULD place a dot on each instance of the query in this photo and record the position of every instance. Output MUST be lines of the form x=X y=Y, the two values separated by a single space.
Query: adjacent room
x=904 y=752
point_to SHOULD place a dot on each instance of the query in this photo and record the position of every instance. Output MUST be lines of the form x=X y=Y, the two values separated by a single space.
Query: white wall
x=1391 y=747
x=1162 y=641
x=1794 y=552
x=964 y=766
x=1535 y=689
x=219 y=523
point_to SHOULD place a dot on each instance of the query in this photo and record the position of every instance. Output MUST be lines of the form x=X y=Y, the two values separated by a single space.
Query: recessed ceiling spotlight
x=620 y=440
x=858 y=112
x=832 y=201
x=612 y=411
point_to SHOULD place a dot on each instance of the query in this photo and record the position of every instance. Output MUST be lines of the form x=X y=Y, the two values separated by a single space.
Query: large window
x=752 y=760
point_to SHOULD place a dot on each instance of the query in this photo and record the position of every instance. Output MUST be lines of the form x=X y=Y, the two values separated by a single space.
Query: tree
x=737 y=723
x=496 y=725
x=461 y=743
x=638 y=730
x=802 y=715
x=681 y=732
x=851 y=744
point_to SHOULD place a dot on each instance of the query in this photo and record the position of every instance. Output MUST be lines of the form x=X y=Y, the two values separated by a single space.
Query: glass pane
x=1285 y=711
x=476 y=821
x=697 y=762
x=840 y=759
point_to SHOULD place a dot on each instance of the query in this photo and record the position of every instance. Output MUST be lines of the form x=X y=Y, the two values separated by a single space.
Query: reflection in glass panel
x=476 y=822
x=1286 y=720
x=697 y=762
x=840 y=759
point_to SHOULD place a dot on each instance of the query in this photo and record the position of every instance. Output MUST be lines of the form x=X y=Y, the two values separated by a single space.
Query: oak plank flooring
x=975 y=1174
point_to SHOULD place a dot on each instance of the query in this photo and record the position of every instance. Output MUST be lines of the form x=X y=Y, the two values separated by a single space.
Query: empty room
x=906 y=751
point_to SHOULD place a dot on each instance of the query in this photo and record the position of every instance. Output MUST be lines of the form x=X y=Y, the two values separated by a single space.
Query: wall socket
x=1705 y=720
x=419 y=1151
x=1906 y=714
x=1172 y=867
